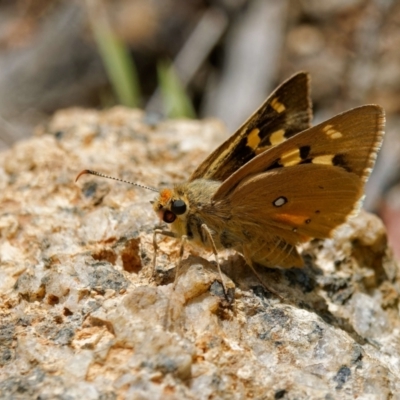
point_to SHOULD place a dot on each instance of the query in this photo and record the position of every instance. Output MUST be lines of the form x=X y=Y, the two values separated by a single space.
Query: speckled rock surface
x=81 y=319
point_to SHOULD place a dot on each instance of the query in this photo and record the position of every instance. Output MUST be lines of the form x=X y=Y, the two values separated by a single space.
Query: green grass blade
x=119 y=65
x=176 y=102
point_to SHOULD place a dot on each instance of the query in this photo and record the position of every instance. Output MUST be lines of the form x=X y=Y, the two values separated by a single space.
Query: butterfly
x=276 y=182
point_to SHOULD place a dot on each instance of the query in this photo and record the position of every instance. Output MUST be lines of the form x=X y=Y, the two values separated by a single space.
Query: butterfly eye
x=178 y=207
x=169 y=217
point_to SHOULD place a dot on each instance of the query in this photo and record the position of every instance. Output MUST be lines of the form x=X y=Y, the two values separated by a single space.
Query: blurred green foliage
x=119 y=65
x=123 y=76
x=176 y=103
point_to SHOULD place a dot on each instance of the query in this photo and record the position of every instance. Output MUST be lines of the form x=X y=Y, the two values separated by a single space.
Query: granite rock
x=82 y=318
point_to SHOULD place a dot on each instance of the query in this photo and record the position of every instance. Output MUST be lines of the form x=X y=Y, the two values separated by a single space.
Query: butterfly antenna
x=88 y=171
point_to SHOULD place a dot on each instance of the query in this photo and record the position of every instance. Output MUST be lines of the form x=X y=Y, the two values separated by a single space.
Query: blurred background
x=199 y=58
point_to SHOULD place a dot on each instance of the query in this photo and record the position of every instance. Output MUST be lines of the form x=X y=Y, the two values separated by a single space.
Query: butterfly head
x=170 y=205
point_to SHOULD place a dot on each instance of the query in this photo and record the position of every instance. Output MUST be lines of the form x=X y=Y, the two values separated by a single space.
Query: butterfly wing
x=308 y=185
x=286 y=112
x=297 y=203
x=350 y=141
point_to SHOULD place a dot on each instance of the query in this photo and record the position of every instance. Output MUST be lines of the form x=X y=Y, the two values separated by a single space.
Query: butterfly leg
x=168 y=315
x=250 y=263
x=207 y=231
x=155 y=246
x=178 y=266
x=181 y=250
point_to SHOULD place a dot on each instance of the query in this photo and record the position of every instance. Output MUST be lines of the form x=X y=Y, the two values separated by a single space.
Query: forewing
x=349 y=141
x=286 y=112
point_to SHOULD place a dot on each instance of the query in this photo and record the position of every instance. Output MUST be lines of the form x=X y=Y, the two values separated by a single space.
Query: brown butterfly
x=276 y=182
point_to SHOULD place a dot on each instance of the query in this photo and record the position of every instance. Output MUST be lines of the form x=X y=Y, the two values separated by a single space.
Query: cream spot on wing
x=277 y=106
x=280 y=201
x=291 y=157
x=253 y=139
x=332 y=133
x=327 y=127
x=326 y=159
x=277 y=137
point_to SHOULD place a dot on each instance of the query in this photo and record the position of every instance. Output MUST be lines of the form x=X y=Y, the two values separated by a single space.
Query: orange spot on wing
x=293 y=221
x=253 y=139
x=290 y=219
